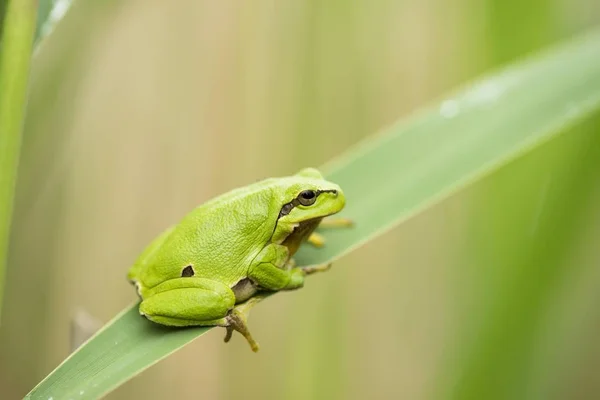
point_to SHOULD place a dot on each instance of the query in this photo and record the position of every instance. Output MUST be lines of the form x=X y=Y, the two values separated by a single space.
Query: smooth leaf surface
x=387 y=179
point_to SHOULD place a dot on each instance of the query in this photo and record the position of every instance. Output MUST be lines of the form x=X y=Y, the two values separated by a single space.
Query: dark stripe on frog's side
x=288 y=207
x=300 y=234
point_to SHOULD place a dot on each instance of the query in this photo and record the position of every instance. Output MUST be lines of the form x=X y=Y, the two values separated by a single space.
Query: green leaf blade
x=467 y=136
x=127 y=344
x=50 y=14
x=388 y=179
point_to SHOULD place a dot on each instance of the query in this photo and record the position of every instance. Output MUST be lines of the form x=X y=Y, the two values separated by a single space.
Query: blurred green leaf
x=524 y=221
x=387 y=179
x=25 y=22
x=17 y=39
x=521 y=259
x=50 y=12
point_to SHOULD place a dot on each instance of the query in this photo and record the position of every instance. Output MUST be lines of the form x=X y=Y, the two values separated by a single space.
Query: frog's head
x=306 y=197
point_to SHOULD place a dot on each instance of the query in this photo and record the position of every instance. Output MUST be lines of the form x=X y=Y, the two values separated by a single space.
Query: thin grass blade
x=15 y=55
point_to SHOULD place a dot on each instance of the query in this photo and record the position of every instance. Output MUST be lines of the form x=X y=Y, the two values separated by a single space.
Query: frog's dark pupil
x=307 y=194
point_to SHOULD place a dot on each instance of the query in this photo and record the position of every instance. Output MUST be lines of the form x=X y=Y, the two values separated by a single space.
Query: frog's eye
x=307 y=197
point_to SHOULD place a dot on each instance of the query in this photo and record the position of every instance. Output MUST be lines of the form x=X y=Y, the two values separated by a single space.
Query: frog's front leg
x=311 y=269
x=269 y=271
x=192 y=301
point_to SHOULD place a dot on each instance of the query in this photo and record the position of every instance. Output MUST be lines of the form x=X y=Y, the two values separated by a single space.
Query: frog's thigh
x=188 y=301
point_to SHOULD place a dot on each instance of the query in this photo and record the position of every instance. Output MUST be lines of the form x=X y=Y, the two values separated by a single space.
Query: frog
x=234 y=250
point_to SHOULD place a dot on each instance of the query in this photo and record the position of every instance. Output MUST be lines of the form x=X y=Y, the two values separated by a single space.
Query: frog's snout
x=339 y=198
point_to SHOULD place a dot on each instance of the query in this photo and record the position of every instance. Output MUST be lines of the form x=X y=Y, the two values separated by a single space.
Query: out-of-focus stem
x=18 y=30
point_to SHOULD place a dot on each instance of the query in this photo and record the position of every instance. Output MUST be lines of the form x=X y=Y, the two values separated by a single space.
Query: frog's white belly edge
x=243 y=290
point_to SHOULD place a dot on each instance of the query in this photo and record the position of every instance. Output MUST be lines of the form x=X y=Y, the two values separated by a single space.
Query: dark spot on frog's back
x=187 y=272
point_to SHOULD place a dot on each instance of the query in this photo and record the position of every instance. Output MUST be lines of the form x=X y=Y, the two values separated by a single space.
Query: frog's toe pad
x=317 y=268
x=228 y=334
x=316 y=240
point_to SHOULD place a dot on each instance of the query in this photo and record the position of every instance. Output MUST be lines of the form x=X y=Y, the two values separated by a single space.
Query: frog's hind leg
x=198 y=302
x=237 y=321
x=188 y=302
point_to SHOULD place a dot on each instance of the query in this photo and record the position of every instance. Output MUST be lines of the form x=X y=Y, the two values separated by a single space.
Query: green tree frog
x=222 y=258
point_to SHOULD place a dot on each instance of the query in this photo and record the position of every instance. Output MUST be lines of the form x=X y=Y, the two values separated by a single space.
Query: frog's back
x=218 y=239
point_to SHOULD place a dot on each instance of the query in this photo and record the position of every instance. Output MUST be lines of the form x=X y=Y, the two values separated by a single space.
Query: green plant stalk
x=15 y=58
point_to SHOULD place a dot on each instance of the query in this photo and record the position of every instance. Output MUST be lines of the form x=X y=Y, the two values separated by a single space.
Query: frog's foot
x=236 y=320
x=311 y=269
x=316 y=239
x=290 y=264
x=336 y=222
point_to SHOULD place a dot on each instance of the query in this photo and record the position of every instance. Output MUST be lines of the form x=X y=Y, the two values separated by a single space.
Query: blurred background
x=140 y=110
